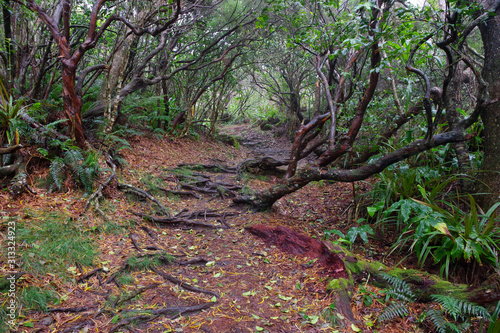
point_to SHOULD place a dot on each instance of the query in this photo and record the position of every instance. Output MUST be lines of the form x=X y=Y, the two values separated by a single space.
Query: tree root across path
x=172 y=312
x=190 y=219
x=189 y=182
x=253 y=165
x=114 y=302
x=94 y=198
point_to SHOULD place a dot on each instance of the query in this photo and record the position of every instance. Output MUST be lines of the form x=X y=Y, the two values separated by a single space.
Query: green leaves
x=352 y=234
x=361 y=231
x=9 y=112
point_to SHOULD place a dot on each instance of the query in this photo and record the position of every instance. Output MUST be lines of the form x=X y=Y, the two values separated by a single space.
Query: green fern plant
x=442 y=325
x=459 y=310
x=401 y=293
x=393 y=310
x=83 y=166
x=399 y=289
x=494 y=325
x=10 y=110
x=57 y=171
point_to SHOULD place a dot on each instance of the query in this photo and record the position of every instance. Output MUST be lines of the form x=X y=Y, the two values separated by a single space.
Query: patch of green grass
x=115 y=228
x=175 y=198
x=35 y=298
x=126 y=279
x=3 y=321
x=55 y=242
x=152 y=182
x=144 y=263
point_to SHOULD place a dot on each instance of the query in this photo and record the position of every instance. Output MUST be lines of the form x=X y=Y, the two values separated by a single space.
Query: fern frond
x=460 y=309
x=395 y=309
x=436 y=317
x=57 y=173
x=399 y=289
x=85 y=169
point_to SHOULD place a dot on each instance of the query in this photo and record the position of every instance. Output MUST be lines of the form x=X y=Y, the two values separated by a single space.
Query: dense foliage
x=402 y=93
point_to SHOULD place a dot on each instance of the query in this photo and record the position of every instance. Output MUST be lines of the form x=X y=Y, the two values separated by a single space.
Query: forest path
x=259 y=143
x=176 y=268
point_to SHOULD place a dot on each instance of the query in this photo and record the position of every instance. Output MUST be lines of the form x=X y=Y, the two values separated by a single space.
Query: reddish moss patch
x=293 y=242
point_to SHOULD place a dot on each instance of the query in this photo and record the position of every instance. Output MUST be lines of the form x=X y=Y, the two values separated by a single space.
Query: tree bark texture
x=490 y=33
x=11 y=55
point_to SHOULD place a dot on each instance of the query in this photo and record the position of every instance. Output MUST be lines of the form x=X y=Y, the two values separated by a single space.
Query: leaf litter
x=149 y=277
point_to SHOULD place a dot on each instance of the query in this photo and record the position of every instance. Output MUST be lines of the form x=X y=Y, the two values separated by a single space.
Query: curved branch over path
x=265 y=199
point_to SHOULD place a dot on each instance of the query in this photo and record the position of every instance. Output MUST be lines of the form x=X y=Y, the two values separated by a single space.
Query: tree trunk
x=11 y=55
x=164 y=89
x=490 y=33
x=72 y=103
x=453 y=101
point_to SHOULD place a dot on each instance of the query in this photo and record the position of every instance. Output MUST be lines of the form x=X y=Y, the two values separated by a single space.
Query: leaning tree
x=356 y=49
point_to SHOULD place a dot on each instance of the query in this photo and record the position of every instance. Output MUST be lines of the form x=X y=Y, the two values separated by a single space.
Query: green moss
x=364 y=266
x=447 y=288
x=339 y=284
x=409 y=275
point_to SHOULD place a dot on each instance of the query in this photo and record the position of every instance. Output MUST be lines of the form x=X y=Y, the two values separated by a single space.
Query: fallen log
x=349 y=270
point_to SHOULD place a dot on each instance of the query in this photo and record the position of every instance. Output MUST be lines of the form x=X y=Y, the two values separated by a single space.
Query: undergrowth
x=51 y=242
x=453 y=314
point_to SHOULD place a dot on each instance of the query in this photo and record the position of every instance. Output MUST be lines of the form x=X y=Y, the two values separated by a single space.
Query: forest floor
x=231 y=280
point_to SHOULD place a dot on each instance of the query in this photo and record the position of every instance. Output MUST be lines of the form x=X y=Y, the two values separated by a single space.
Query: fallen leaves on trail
x=261 y=288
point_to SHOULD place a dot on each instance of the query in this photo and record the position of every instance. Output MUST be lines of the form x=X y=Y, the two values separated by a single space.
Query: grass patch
x=4 y=327
x=145 y=262
x=55 y=242
x=152 y=182
x=126 y=279
x=37 y=299
x=109 y=227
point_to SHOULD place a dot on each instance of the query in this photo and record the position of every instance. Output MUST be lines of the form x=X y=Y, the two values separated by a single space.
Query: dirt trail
x=260 y=143
x=247 y=286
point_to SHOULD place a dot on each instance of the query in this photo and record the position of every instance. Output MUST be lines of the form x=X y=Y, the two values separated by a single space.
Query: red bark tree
x=72 y=102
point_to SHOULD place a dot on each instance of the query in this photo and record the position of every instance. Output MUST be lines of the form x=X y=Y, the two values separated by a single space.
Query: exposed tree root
x=203 y=184
x=190 y=219
x=176 y=192
x=89 y=275
x=134 y=294
x=19 y=183
x=144 y=194
x=208 y=167
x=97 y=195
x=80 y=326
x=173 y=312
x=133 y=239
x=260 y=164
x=73 y=310
x=183 y=285
x=149 y=232
x=195 y=261
x=10 y=150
